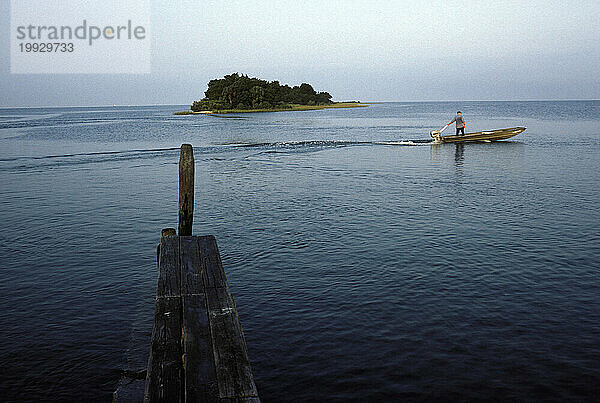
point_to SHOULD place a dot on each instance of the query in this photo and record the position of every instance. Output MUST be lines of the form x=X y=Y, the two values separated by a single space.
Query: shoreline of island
x=290 y=108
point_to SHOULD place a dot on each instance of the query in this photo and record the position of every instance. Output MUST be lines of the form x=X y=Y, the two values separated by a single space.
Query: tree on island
x=236 y=91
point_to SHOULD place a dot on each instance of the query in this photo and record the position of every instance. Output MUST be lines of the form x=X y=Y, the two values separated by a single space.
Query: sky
x=356 y=50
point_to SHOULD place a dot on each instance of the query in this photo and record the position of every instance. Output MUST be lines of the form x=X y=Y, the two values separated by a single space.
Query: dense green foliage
x=242 y=92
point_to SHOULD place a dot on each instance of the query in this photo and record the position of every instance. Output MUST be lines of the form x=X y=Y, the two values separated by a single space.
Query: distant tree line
x=236 y=91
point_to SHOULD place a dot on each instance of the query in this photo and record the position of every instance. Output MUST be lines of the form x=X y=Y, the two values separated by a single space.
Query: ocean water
x=362 y=271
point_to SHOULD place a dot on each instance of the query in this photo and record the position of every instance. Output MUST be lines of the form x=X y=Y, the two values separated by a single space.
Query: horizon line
x=362 y=102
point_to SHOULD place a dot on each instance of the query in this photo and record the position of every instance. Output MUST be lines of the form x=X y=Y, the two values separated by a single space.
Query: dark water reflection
x=362 y=271
x=459 y=154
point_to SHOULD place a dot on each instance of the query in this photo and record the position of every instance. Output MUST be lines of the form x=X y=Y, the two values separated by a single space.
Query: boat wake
x=227 y=151
x=329 y=144
x=405 y=143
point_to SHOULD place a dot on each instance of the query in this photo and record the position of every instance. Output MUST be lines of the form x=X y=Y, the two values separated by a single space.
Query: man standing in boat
x=460 y=124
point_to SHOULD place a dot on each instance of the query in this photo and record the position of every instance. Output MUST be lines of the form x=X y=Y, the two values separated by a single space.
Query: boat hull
x=490 y=135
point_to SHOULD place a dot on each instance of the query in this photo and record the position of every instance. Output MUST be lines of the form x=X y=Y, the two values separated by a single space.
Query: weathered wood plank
x=200 y=377
x=232 y=364
x=168 y=268
x=190 y=266
x=163 y=377
x=186 y=189
x=214 y=275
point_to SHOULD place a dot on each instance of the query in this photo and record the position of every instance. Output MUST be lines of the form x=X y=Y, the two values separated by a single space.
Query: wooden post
x=186 y=189
x=168 y=232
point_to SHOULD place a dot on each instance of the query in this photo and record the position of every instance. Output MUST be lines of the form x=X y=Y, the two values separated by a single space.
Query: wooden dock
x=198 y=351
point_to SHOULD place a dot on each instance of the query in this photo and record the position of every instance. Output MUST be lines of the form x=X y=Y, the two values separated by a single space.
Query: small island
x=235 y=93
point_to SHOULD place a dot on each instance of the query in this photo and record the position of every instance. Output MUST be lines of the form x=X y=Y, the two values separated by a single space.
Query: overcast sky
x=364 y=50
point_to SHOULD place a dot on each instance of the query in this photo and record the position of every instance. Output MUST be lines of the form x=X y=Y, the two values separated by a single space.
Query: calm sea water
x=361 y=271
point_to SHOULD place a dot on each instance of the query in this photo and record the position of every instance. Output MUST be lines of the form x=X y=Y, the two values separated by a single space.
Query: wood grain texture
x=234 y=373
x=232 y=365
x=186 y=189
x=200 y=377
x=168 y=268
x=163 y=376
x=198 y=351
x=214 y=275
x=163 y=379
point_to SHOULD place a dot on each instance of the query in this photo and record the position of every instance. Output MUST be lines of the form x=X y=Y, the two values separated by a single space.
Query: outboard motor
x=436 y=135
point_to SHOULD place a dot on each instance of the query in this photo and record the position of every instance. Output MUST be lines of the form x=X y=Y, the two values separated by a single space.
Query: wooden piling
x=168 y=232
x=186 y=189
